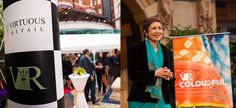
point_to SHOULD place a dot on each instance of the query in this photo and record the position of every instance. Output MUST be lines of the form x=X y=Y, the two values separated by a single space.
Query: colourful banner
x=202 y=71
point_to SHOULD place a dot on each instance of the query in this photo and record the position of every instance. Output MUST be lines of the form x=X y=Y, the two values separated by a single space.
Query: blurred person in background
x=113 y=64
x=85 y=62
x=100 y=71
x=67 y=68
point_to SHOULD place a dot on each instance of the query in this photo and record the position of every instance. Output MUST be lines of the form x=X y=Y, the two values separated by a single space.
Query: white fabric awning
x=95 y=42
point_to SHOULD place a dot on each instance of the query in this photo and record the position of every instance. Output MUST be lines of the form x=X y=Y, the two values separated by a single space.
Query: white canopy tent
x=76 y=43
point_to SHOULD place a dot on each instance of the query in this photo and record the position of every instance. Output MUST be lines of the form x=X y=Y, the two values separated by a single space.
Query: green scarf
x=155 y=61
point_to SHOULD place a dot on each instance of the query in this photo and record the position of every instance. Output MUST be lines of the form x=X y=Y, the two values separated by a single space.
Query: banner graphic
x=202 y=71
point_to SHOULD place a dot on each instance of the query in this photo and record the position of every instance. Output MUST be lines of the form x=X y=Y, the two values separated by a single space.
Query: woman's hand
x=164 y=73
x=99 y=66
x=91 y=78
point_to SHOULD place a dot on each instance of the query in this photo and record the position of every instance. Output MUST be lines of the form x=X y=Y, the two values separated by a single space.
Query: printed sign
x=202 y=71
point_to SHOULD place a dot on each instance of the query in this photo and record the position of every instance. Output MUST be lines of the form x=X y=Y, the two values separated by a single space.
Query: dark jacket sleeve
x=85 y=63
x=168 y=86
x=169 y=63
x=67 y=68
x=138 y=67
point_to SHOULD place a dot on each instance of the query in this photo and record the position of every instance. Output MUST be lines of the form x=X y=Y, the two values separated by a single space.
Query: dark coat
x=114 y=66
x=86 y=64
x=141 y=77
x=102 y=61
x=67 y=68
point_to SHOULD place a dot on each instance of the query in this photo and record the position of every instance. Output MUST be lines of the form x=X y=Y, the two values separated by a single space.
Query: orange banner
x=202 y=71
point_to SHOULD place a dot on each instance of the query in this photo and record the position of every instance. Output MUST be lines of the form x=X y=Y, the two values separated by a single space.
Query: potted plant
x=79 y=79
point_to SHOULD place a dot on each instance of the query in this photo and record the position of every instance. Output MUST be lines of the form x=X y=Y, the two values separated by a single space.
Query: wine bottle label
x=31 y=25
x=31 y=77
x=33 y=56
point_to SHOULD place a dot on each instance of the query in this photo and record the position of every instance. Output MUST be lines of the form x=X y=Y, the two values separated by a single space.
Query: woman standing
x=149 y=70
x=113 y=64
x=67 y=70
x=100 y=71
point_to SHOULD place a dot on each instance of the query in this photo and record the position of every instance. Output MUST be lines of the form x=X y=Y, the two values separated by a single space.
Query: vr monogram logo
x=22 y=81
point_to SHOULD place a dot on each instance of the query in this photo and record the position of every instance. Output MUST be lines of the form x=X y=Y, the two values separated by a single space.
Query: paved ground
x=105 y=105
x=101 y=104
x=114 y=95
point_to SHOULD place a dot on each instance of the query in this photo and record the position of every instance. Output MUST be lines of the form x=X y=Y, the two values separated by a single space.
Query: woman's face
x=155 y=32
x=100 y=54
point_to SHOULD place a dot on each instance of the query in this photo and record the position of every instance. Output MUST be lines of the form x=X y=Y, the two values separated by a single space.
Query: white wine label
x=33 y=57
x=28 y=27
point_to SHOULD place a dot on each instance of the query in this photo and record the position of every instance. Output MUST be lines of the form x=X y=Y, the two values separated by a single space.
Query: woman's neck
x=154 y=44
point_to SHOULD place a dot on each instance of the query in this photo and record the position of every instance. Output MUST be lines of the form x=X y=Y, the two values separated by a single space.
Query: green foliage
x=183 y=31
x=3 y=100
x=1 y=37
x=233 y=59
x=1 y=34
x=1 y=23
